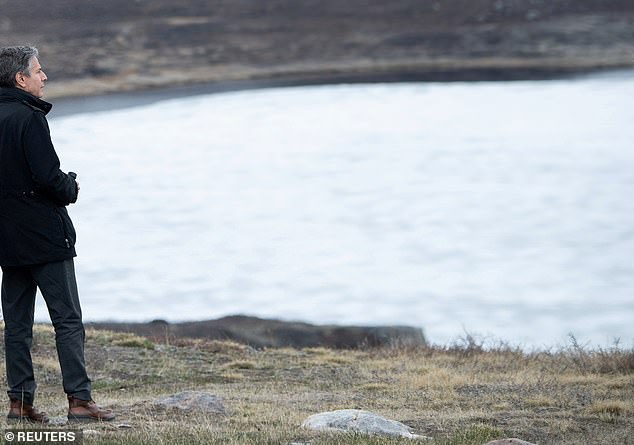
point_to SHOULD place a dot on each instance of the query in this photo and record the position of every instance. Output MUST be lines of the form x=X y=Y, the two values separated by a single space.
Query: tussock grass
x=466 y=393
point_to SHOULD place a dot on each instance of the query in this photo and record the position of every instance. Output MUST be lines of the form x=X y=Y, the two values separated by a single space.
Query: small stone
x=511 y=441
x=58 y=421
x=358 y=421
x=193 y=400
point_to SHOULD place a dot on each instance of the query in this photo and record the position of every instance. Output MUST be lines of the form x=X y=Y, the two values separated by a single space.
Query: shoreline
x=108 y=98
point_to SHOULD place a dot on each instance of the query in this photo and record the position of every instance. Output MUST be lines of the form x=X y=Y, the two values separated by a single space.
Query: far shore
x=222 y=46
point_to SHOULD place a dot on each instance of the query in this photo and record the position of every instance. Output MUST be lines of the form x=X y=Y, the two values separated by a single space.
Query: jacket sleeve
x=44 y=163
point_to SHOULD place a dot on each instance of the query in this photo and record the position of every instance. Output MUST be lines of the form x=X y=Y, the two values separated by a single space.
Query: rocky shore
x=91 y=48
x=260 y=333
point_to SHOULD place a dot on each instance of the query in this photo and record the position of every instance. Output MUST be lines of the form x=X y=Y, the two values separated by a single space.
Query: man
x=37 y=241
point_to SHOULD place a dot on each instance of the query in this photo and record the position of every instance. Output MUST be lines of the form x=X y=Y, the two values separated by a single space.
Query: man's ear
x=19 y=79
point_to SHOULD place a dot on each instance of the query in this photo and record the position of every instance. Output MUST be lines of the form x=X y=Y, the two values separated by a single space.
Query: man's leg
x=18 y=306
x=59 y=288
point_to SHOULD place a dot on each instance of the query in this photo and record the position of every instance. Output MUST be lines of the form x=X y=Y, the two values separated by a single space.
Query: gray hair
x=14 y=60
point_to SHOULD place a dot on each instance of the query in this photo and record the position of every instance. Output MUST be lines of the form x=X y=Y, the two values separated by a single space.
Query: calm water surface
x=503 y=210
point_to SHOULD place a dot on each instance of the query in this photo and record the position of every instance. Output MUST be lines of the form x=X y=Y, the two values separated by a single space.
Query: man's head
x=20 y=68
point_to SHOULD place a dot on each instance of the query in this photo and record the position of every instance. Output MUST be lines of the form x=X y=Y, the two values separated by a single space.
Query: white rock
x=358 y=421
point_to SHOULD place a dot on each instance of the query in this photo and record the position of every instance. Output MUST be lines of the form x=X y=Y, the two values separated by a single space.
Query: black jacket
x=34 y=225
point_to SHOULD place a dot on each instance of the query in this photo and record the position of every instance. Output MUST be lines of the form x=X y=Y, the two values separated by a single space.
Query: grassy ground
x=461 y=394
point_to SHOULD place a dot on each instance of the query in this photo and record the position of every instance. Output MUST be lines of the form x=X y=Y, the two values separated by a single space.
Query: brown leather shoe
x=22 y=412
x=87 y=411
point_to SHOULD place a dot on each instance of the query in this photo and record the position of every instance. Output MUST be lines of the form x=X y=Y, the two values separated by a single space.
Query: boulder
x=193 y=400
x=358 y=421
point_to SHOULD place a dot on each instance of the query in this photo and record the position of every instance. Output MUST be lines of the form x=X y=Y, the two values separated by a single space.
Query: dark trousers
x=59 y=288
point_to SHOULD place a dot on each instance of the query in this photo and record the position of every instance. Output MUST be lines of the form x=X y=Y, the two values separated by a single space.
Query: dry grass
x=463 y=394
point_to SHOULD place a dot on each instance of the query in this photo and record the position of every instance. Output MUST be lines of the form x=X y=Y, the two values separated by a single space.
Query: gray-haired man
x=37 y=242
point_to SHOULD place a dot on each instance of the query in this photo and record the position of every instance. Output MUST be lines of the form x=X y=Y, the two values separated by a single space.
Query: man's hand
x=74 y=176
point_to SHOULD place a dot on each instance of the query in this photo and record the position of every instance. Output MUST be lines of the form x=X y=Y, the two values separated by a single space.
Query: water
x=502 y=210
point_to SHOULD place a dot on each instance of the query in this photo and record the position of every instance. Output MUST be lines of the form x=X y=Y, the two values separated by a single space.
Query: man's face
x=34 y=83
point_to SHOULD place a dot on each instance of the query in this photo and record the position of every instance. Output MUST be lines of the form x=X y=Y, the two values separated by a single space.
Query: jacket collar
x=16 y=94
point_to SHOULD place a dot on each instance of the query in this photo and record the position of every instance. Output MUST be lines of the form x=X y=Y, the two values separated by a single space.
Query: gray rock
x=193 y=400
x=358 y=421
x=511 y=441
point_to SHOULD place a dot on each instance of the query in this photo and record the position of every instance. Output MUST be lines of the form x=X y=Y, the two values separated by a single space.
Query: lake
x=501 y=210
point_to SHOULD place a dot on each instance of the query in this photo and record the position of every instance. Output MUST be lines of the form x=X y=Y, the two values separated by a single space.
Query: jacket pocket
x=67 y=227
